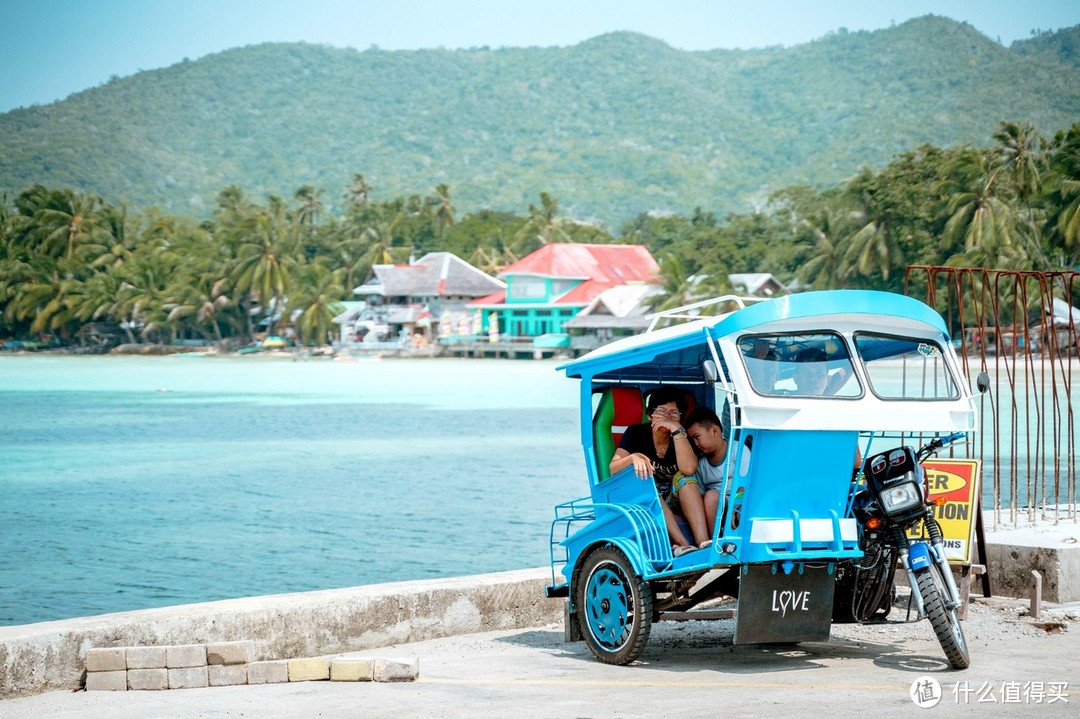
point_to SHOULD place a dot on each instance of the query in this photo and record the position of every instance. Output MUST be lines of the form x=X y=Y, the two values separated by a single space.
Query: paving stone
x=115 y=681
x=145 y=657
x=230 y=652
x=147 y=679
x=105 y=659
x=185 y=655
x=272 y=672
x=309 y=670
x=351 y=669
x=188 y=678
x=227 y=675
x=397 y=670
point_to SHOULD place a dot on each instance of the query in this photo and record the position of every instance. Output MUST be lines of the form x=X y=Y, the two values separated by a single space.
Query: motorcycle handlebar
x=940 y=443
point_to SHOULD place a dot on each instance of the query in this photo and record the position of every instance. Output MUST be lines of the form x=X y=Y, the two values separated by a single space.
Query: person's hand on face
x=666 y=416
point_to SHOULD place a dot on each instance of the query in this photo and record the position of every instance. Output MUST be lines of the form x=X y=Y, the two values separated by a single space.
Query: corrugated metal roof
x=609 y=264
x=436 y=274
x=600 y=267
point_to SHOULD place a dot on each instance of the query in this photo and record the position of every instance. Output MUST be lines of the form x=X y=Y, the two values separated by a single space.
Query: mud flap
x=785 y=602
x=571 y=629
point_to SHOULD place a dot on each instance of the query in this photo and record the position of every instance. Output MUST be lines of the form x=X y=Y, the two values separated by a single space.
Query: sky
x=52 y=48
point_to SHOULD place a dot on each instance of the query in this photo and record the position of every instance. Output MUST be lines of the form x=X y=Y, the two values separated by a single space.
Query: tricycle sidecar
x=886 y=370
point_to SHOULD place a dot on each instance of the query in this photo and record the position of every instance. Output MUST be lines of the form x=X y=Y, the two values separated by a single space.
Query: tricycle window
x=905 y=367
x=804 y=365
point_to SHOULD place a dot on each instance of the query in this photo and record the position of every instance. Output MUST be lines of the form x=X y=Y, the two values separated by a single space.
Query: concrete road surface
x=689 y=669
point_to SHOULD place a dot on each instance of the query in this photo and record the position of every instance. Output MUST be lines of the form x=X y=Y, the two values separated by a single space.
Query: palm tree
x=979 y=220
x=443 y=209
x=827 y=266
x=266 y=259
x=871 y=247
x=310 y=207
x=542 y=227
x=1021 y=156
x=202 y=298
x=113 y=244
x=678 y=280
x=315 y=301
x=70 y=218
x=232 y=200
x=379 y=235
x=358 y=192
x=40 y=302
x=1065 y=222
x=95 y=298
x=140 y=302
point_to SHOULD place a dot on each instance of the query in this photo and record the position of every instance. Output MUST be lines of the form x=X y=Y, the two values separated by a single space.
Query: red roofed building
x=549 y=287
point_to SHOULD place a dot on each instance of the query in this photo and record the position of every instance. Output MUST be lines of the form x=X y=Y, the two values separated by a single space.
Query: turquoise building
x=547 y=289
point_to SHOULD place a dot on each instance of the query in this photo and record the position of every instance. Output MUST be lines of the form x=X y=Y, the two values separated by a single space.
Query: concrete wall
x=50 y=655
x=1050 y=547
x=1010 y=571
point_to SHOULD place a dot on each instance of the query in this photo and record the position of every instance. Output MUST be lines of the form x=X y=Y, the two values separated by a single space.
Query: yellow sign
x=954 y=484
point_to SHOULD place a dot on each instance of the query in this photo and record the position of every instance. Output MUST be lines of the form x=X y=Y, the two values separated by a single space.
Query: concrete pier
x=35 y=658
x=51 y=655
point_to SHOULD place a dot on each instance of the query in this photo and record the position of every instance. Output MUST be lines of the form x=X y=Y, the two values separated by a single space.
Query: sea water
x=136 y=482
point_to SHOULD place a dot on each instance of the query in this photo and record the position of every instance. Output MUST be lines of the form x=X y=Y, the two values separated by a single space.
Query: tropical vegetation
x=69 y=260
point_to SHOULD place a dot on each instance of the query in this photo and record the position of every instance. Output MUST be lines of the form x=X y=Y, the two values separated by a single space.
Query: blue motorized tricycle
x=821 y=480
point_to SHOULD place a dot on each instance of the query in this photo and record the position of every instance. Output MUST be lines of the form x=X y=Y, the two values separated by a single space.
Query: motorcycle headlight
x=900 y=498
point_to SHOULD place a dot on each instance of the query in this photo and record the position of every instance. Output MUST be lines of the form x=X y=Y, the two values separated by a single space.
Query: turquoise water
x=135 y=482
x=128 y=483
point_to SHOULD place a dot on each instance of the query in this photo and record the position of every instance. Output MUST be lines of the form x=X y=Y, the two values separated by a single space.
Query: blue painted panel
x=808 y=471
x=794 y=475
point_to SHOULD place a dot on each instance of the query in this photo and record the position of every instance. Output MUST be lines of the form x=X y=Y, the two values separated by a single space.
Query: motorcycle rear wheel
x=944 y=620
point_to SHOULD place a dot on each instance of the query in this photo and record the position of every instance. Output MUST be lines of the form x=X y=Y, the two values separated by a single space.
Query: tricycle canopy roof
x=808 y=309
x=884 y=359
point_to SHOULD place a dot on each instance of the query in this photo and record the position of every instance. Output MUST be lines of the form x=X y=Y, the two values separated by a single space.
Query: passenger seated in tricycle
x=708 y=436
x=661 y=449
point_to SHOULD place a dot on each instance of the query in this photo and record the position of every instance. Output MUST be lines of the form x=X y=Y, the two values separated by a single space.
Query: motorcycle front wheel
x=944 y=620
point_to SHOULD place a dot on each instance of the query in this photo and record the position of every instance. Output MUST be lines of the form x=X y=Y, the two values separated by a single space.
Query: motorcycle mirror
x=983 y=382
x=708 y=368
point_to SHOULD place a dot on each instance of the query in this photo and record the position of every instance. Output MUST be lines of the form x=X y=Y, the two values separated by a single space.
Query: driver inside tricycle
x=812 y=391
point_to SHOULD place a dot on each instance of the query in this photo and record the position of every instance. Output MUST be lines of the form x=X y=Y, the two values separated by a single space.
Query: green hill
x=614 y=126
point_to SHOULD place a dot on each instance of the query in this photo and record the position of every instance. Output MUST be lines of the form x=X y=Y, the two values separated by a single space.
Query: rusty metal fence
x=1023 y=329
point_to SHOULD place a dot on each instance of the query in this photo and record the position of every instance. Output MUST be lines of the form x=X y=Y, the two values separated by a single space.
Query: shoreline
x=35 y=658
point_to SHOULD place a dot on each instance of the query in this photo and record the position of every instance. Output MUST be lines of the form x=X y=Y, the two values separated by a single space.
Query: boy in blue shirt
x=707 y=433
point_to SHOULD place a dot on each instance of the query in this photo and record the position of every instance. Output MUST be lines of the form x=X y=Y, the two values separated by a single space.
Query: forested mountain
x=615 y=126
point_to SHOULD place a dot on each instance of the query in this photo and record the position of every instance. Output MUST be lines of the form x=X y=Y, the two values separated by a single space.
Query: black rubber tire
x=944 y=621
x=613 y=606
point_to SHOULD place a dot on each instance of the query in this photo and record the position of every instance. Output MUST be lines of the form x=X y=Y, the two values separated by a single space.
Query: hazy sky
x=52 y=48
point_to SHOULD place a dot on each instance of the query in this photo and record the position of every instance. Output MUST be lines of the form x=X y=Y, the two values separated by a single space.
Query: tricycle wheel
x=614 y=607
